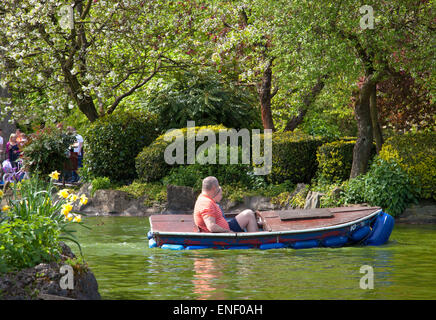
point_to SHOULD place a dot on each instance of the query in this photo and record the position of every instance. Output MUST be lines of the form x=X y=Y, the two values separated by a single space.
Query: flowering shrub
x=33 y=222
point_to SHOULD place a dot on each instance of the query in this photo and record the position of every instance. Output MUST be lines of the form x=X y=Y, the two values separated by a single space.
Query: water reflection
x=205 y=272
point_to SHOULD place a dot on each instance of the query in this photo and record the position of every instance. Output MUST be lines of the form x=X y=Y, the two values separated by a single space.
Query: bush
x=293 y=157
x=112 y=143
x=100 y=183
x=47 y=151
x=153 y=192
x=335 y=160
x=150 y=162
x=192 y=175
x=385 y=185
x=416 y=154
x=206 y=99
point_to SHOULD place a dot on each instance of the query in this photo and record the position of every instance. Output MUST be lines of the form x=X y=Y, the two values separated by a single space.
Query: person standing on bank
x=77 y=153
x=14 y=152
x=2 y=152
x=208 y=216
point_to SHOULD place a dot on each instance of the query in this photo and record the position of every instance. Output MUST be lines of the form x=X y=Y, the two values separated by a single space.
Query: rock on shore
x=43 y=282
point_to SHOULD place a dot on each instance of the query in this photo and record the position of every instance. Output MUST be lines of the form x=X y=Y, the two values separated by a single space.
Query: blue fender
x=173 y=246
x=360 y=233
x=382 y=229
x=305 y=244
x=267 y=246
x=338 y=241
x=198 y=247
x=152 y=243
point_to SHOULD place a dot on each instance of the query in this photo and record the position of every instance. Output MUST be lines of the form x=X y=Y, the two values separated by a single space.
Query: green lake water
x=116 y=249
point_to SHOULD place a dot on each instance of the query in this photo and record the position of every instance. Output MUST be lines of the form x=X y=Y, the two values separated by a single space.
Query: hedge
x=416 y=154
x=336 y=158
x=112 y=143
x=150 y=162
x=294 y=157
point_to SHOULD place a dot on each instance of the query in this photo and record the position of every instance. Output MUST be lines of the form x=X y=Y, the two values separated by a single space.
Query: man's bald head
x=209 y=184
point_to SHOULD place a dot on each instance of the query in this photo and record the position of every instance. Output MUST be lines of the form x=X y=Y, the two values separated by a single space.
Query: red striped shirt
x=205 y=206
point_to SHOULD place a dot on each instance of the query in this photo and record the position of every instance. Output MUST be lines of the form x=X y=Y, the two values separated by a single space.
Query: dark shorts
x=234 y=225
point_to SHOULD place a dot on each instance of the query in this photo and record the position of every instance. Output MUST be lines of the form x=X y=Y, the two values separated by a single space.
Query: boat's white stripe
x=261 y=233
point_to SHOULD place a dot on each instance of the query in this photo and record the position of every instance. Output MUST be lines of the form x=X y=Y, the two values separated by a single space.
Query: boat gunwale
x=259 y=233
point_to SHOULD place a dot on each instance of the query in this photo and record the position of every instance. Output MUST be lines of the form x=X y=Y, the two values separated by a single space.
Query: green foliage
x=287 y=198
x=32 y=224
x=293 y=157
x=152 y=192
x=100 y=183
x=206 y=99
x=385 y=185
x=25 y=243
x=237 y=192
x=192 y=175
x=335 y=160
x=188 y=175
x=112 y=143
x=416 y=154
x=150 y=162
x=47 y=150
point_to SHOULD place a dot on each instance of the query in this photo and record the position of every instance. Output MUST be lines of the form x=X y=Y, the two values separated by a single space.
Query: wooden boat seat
x=305 y=214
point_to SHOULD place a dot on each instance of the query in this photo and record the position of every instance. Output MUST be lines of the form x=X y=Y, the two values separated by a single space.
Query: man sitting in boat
x=209 y=217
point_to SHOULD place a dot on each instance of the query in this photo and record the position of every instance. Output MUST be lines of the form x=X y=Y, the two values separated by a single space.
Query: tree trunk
x=265 y=97
x=362 y=148
x=292 y=123
x=87 y=106
x=377 y=132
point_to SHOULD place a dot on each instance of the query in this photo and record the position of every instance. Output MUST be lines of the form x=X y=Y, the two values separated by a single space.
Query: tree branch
x=134 y=88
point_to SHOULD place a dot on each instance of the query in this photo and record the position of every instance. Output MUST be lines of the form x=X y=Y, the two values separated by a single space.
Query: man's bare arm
x=212 y=226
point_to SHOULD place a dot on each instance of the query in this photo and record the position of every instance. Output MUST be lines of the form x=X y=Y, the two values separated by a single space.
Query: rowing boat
x=298 y=229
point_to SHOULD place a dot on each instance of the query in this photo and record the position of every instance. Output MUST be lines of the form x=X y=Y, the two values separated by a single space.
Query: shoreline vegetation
x=35 y=220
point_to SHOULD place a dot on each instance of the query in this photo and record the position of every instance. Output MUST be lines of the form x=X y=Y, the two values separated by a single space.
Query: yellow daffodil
x=64 y=193
x=83 y=199
x=69 y=217
x=54 y=175
x=77 y=218
x=1 y=193
x=66 y=208
x=72 y=197
x=5 y=208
